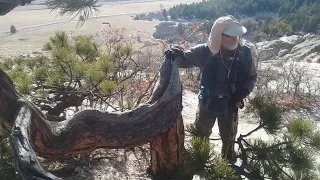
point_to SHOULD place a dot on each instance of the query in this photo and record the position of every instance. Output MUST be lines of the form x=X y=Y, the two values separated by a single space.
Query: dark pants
x=228 y=127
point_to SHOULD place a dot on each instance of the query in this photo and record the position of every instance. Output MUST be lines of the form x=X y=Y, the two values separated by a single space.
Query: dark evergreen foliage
x=302 y=15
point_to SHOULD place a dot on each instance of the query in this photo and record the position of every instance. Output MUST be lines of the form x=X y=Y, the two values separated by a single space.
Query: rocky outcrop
x=174 y=32
x=165 y=30
x=296 y=48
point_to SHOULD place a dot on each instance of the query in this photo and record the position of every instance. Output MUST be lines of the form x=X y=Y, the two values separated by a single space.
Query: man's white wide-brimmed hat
x=234 y=28
x=228 y=25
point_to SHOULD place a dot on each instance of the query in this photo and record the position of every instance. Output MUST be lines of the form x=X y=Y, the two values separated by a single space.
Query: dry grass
x=190 y=79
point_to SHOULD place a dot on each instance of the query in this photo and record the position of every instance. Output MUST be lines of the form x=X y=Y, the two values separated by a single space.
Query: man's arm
x=195 y=57
x=248 y=85
x=252 y=76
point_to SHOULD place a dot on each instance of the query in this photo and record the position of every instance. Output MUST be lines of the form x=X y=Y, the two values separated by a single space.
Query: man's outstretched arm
x=195 y=57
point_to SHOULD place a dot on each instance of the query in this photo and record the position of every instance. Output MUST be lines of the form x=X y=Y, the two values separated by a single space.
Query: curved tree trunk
x=155 y=122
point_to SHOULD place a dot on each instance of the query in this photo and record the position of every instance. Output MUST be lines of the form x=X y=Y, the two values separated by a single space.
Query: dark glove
x=238 y=97
x=173 y=52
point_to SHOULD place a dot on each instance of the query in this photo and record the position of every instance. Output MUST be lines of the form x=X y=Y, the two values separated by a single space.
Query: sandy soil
x=36 y=26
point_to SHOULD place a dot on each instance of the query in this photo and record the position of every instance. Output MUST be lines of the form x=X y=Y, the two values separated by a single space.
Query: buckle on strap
x=213 y=95
x=222 y=97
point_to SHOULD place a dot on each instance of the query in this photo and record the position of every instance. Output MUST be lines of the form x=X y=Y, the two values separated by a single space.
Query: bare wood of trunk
x=87 y=130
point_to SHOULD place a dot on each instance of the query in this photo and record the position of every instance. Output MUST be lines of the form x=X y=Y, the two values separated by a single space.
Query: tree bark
x=168 y=155
x=155 y=122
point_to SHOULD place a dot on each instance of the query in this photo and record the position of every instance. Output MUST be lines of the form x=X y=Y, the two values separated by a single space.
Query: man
x=228 y=75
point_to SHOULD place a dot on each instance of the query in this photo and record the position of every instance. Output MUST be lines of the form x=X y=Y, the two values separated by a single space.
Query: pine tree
x=76 y=70
x=13 y=29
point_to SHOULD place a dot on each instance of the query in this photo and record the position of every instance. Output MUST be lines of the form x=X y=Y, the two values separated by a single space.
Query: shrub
x=13 y=29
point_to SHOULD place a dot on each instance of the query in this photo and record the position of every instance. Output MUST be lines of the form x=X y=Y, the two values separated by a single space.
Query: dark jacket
x=243 y=76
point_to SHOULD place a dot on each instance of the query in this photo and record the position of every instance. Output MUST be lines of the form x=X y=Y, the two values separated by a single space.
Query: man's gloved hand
x=173 y=52
x=236 y=98
x=240 y=104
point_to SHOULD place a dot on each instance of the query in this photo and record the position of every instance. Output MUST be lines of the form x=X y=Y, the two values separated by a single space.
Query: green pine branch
x=83 y=9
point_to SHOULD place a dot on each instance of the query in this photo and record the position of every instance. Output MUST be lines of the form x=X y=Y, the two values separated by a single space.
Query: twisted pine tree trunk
x=158 y=122
x=168 y=153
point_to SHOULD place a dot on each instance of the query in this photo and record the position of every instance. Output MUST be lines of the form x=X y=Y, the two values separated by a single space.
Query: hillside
x=300 y=15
